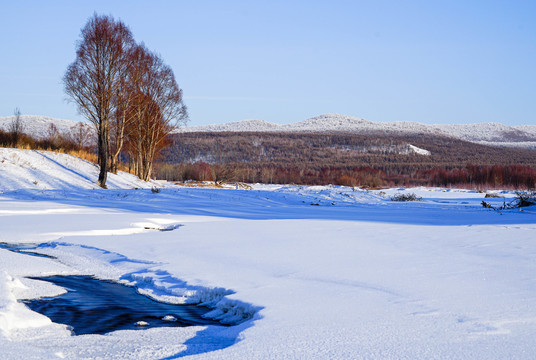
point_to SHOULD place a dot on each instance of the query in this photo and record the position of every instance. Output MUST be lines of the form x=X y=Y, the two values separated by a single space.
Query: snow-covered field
x=319 y=272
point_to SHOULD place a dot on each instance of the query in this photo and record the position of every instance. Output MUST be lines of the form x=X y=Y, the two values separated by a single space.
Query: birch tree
x=92 y=81
x=157 y=109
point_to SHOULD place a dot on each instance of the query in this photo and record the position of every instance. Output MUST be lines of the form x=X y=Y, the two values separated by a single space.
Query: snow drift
x=46 y=170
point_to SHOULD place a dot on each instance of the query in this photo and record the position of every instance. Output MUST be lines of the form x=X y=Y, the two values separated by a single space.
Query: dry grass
x=82 y=154
x=91 y=157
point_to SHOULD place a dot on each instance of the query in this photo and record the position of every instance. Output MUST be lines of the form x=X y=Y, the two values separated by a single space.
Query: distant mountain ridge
x=489 y=133
x=485 y=133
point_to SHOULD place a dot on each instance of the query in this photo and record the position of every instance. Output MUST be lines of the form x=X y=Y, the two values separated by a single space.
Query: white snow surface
x=419 y=151
x=46 y=170
x=483 y=131
x=531 y=129
x=319 y=272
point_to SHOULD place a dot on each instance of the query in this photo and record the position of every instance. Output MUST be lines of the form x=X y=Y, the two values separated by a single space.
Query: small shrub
x=241 y=185
x=405 y=197
x=522 y=199
x=346 y=180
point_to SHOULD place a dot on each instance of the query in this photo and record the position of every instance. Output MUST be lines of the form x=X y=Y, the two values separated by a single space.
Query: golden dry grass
x=82 y=154
x=91 y=157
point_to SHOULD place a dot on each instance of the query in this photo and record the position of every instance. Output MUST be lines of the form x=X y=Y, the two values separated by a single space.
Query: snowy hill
x=336 y=122
x=245 y=125
x=329 y=122
x=489 y=133
x=46 y=170
x=38 y=126
x=321 y=123
x=485 y=133
x=531 y=129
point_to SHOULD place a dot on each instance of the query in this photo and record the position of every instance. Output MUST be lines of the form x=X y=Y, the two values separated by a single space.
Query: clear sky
x=431 y=61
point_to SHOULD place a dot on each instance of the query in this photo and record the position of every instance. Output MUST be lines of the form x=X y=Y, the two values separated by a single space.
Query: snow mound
x=162 y=287
x=14 y=315
x=46 y=170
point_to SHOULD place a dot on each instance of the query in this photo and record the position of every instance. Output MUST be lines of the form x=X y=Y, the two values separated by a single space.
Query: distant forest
x=372 y=160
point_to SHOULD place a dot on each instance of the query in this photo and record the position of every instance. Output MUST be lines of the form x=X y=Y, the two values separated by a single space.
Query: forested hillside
x=349 y=159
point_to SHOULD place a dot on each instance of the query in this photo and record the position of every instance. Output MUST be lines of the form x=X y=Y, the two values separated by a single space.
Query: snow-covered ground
x=318 y=272
x=46 y=170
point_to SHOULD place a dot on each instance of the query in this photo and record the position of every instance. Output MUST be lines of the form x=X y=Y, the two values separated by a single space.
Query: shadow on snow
x=280 y=205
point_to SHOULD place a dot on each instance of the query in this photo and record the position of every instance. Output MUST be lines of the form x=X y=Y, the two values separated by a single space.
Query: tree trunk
x=103 y=155
x=115 y=156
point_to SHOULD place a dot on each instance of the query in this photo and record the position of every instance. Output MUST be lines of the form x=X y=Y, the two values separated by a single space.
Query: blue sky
x=285 y=61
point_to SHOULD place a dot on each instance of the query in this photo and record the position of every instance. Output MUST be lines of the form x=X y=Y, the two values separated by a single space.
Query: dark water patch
x=93 y=306
x=25 y=249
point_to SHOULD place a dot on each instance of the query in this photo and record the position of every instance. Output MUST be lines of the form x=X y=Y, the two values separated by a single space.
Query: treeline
x=517 y=176
x=344 y=159
x=473 y=176
x=390 y=153
x=271 y=174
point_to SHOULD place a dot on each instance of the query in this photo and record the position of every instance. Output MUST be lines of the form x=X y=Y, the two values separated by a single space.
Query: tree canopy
x=126 y=91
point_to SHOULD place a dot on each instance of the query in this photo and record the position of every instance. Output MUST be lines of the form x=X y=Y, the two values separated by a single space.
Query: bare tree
x=16 y=127
x=119 y=123
x=82 y=135
x=157 y=108
x=122 y=119
x=94 y=78
x=53 y=135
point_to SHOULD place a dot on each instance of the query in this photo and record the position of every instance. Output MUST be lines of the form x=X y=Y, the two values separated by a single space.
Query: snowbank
x=46 y=170
x=15 y=315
